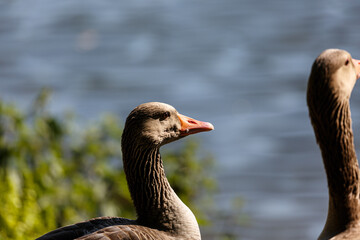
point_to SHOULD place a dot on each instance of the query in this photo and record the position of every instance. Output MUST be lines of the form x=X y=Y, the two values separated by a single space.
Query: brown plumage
x=333 y=76
x=161 y=214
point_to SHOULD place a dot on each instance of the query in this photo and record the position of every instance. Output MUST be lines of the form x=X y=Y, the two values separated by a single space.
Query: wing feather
x=83 y=228
x=127 y=232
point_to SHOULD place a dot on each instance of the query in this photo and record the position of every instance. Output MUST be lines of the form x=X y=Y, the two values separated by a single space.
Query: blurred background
x=241 y=65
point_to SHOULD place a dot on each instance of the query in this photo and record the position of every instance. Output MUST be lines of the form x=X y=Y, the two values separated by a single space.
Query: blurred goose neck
x=332 y=125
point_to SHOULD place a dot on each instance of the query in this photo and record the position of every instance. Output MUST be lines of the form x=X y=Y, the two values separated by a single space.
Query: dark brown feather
x=82 y=228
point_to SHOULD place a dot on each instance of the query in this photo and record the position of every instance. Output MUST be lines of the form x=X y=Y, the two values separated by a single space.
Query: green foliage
x=55 y=171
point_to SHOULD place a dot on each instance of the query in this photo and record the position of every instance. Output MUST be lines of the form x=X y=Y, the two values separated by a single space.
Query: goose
x=160 y=212
x=331 y=81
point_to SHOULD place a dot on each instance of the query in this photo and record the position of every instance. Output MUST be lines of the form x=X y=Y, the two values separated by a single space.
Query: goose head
x=156 y=124
x=336 y=71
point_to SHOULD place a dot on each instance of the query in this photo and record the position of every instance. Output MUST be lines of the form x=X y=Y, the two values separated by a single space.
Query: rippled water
x=242 y=65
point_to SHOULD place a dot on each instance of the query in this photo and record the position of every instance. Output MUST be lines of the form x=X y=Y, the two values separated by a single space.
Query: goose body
x=332 y=79
x=160 y=212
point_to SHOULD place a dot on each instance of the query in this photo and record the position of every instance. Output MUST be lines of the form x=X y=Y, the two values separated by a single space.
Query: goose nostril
x=191 y=121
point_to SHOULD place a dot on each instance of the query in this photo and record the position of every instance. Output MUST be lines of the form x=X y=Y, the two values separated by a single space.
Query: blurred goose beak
x=357 y=67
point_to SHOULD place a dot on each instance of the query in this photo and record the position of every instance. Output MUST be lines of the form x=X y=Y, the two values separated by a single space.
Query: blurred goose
x=332 y=79
x=160 y=212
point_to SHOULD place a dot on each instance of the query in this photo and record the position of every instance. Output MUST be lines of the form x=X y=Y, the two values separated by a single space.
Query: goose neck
x=156 y=203
x=334 y=135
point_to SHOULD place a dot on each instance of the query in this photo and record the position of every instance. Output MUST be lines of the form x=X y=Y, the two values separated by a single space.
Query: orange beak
x=357 y=67
x=191 y=126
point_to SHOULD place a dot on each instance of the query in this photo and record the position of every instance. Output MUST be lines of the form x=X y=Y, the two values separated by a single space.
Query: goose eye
x=346 y=62
x=164 y=116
